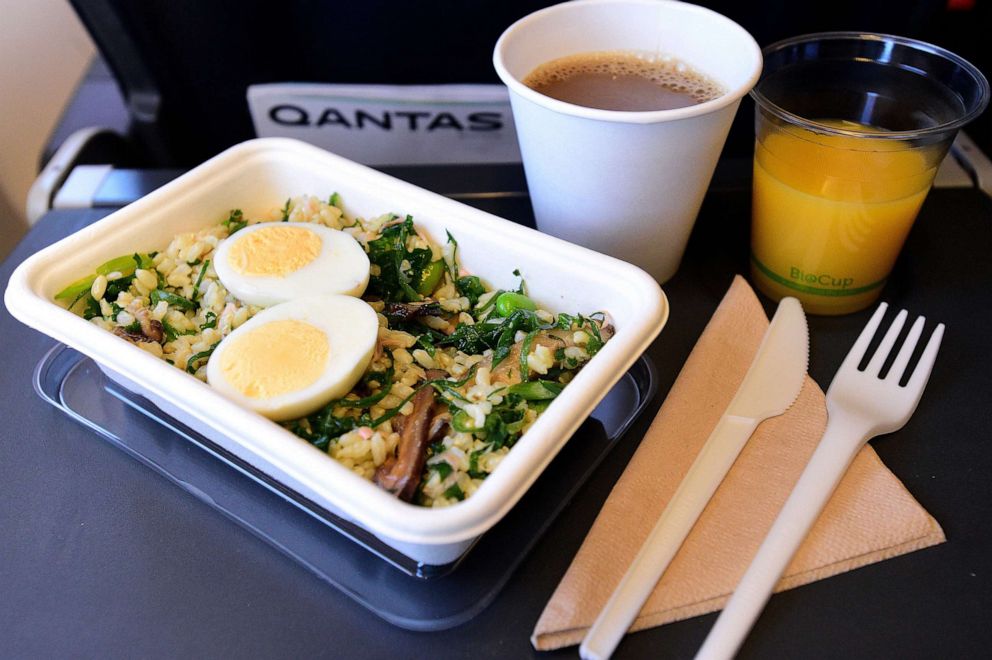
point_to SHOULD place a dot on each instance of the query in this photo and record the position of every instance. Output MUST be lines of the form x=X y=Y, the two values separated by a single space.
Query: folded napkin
x=870 y=517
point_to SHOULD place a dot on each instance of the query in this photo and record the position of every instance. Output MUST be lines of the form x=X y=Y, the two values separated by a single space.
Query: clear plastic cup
x=850 y=130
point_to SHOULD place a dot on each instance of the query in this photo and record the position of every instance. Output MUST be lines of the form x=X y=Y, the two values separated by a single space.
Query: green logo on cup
x=822 y=279
x=820 y=284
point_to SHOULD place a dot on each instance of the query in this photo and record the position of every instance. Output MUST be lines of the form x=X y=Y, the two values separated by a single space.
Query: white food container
x=259 y=175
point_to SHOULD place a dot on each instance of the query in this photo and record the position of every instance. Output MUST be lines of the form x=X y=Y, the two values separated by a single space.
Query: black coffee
x=622 y=80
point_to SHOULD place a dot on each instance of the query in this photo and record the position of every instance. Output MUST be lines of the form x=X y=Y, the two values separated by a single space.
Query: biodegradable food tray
x=254 y=176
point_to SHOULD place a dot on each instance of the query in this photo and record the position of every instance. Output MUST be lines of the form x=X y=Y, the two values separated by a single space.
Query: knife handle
x=680 y=515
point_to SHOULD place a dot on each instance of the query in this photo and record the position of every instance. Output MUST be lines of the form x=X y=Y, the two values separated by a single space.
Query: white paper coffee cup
x=629 y=184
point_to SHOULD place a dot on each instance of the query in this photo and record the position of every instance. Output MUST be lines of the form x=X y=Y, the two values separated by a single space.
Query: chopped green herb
x=436 y=447
x=522 y=288
x=596 y=340
x=525 y=352
x=199 y=279
x=424 y=341
x=210 y=321
x=455 y=492
x=369 y=401
x=442 y=468
x=235 y=222
x=171 y=332
x=481 y=313
x=158 y=295
x=473 y=463
x=451 y=258
x=191 y=364
x=285 y=210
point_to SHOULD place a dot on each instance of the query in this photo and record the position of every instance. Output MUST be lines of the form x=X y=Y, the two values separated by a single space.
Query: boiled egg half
x=291 y=359
x=272 y=262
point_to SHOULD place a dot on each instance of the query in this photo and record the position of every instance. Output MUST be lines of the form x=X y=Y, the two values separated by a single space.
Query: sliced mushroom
x=400 y=474
x=395 y=311
x=150 y=327
x=135 y=337
x=440 y=423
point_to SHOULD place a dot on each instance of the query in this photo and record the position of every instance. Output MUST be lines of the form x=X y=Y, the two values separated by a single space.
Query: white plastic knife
x=769 y=388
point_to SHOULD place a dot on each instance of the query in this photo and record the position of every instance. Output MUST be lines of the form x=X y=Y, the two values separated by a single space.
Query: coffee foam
x=666 y=71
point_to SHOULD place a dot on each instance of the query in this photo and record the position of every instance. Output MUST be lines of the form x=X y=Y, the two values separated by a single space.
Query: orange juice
x=831 y=212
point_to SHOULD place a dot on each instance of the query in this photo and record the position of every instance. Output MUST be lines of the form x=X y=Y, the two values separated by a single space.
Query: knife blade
x=769 y=388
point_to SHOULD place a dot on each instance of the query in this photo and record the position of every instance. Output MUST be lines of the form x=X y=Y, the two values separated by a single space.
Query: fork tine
x=861 y=345
x=888 y=341
x=899 y=366
x=923 y=368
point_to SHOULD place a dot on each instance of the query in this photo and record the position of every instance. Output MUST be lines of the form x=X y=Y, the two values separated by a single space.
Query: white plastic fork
x=860 y=406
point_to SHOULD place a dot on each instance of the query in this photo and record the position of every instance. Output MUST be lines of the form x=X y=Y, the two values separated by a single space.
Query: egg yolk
x=275 y=358
x=274 y=251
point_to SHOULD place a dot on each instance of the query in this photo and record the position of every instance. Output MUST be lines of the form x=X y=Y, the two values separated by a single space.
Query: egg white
x=341 y=267
x=351 y=328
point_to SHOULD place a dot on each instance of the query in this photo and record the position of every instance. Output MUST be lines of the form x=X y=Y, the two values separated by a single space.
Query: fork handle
x=841 y=442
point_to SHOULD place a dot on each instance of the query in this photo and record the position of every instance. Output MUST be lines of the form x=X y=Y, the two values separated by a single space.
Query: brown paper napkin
x=870 y=517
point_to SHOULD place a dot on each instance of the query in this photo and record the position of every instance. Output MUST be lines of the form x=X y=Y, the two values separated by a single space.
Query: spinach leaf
x=474 y=339
x=521 y=319
x=471 y=287
x=92 y=309
x=114 y=287
x=324 y=427
x=400 y=269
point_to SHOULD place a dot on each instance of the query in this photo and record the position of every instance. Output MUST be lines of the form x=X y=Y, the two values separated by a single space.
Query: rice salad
x=465 y=367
